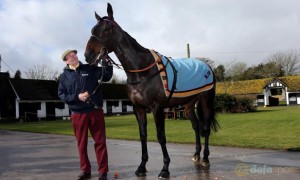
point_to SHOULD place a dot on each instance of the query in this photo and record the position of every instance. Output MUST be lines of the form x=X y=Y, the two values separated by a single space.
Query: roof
x=42 y=90
x=29 y=89
x=6 y=90
x=293 y=82
x=275 y=82
x=256 y=86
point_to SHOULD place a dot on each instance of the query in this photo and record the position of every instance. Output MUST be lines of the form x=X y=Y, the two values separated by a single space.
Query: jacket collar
x=68 y=67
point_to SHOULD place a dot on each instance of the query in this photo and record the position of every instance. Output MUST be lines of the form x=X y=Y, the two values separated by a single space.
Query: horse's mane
x=131 y=39
x=135 y=43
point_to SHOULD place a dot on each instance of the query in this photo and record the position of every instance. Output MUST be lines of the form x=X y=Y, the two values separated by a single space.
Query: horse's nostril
x=87 y=56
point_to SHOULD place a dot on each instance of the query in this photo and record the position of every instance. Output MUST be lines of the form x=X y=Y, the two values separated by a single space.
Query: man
x=76 y=86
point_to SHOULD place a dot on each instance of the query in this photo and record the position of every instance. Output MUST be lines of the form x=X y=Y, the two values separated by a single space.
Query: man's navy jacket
x=84 y=78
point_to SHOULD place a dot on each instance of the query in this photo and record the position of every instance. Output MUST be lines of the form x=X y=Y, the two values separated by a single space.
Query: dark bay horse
x=145 y=89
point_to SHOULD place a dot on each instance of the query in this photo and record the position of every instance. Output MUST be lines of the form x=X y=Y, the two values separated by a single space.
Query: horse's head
x=101 y=40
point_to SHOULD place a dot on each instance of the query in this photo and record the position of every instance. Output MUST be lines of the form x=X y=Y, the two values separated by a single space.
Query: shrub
x=226 y=103
x=246 y=104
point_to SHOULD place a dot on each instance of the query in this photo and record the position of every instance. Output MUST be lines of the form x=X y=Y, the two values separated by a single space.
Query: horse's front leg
x=159 y=117
x=141 y=117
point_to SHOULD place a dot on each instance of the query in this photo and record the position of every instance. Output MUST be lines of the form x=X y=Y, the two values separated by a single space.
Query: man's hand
x=83 y=96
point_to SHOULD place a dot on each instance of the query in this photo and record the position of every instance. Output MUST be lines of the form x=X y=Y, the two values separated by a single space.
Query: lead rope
x=104 y=58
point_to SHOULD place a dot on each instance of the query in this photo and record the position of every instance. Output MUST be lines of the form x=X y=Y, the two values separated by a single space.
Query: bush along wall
x=226 y=103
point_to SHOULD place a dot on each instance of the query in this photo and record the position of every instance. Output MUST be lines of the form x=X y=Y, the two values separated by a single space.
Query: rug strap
x=157 y=58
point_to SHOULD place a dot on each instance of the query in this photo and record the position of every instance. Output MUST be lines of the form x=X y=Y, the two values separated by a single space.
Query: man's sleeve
x=63 y=95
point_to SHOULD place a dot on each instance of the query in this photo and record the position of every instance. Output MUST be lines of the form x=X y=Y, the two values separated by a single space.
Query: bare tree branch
x=41 y=72
x=289 y=61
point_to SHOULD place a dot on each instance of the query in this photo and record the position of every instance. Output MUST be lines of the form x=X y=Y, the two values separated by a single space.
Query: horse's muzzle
x=93 y=58
x=89 y=57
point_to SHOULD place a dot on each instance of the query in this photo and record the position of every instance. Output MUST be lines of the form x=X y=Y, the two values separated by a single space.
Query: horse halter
x=103 y=51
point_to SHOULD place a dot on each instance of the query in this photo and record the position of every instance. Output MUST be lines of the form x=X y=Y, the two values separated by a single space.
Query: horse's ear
x=110 y=12
x=97 y=16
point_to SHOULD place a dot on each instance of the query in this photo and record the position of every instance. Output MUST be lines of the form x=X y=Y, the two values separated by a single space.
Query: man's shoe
x=83 y=176
x=102 y=176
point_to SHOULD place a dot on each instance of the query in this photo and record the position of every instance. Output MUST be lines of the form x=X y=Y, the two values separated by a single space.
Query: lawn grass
x=268 y=128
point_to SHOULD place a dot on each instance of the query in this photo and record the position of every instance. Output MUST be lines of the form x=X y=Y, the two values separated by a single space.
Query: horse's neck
x=131 y=54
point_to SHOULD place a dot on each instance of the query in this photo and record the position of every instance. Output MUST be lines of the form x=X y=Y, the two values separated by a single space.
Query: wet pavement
x=34 y=156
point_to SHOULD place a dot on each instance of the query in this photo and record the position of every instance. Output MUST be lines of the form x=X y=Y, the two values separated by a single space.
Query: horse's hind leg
x=161 y=137
x=190 y=112
x=206 y=115
x=141 y=117
x=205 y=161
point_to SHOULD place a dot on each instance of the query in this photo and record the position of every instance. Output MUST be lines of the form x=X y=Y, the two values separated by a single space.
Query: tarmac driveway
x=34 y=156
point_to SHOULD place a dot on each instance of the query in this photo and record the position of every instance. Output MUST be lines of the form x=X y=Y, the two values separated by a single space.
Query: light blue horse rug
x=184 y=77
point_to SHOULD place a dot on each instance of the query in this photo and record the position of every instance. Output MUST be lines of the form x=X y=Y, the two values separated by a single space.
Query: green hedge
x=230 y=104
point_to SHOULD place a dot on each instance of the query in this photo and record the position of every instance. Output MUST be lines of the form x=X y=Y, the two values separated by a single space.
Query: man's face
x=72 y=59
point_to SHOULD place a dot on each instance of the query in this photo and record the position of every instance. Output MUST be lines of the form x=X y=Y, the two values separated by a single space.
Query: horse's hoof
x=205 y=163
x=196 y=158
x=164 y=175
x=141 y=172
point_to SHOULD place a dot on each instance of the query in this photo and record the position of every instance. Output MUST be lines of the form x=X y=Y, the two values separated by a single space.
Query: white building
x=30 y=100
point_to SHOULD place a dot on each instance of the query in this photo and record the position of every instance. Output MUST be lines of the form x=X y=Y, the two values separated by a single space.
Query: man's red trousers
x=93 y=121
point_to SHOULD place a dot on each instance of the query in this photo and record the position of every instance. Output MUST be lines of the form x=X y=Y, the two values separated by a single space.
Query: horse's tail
x=208 y=120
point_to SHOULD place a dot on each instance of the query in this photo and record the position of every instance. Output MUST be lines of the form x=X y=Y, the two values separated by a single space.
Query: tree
x=18 y=75
x=207 y=61
x=251 y=73
x=288 y=61
x=267 y=70
x=236 y=71
x=272 y=69
x=42 y=72
x=220 y=73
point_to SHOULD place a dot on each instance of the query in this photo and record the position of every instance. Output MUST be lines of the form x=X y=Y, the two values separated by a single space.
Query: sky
x=36 y=32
